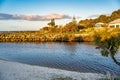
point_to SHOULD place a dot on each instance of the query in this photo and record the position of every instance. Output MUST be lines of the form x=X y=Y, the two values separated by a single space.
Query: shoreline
x=18 y=71
x=45 y=37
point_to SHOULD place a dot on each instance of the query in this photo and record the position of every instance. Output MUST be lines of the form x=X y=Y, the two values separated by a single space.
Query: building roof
x=115 y=21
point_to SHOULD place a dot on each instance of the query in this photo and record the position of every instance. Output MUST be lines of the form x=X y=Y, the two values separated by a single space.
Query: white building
x=99 y=24
x=115 y=24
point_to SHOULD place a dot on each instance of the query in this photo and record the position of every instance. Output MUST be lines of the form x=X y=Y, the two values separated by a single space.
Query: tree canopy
x=108 y=41
x=52 y=23
x=101 y=18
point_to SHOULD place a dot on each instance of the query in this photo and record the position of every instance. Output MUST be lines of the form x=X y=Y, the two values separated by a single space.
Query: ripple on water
x=81 y=57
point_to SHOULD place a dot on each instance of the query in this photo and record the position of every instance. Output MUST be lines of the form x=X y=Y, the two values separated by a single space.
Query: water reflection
x=71 y=48
x=81 y=57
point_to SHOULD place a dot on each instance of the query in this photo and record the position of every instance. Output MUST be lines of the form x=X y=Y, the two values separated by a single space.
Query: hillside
x=101 y=18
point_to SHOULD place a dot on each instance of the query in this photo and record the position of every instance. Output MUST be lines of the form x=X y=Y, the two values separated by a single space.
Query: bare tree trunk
x=112 y=56
x=114 y=59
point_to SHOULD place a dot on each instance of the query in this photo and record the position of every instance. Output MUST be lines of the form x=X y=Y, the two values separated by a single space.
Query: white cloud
x=31 y=17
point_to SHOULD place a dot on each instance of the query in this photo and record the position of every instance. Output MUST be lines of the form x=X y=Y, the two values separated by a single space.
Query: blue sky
x=79 y=8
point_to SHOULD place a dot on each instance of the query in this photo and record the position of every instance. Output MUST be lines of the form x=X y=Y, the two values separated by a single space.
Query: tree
x=52 y=23
x=109 y=42
x=101 y=18
x=70 y=27
x=87 y=23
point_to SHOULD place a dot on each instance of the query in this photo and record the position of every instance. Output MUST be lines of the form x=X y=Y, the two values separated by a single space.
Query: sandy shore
x=18 y=71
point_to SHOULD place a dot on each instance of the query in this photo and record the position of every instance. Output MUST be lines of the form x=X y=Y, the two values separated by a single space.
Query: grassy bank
x=84 y=35
x=39 y=37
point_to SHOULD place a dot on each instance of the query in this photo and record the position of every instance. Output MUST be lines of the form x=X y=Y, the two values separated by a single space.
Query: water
x=81 y=57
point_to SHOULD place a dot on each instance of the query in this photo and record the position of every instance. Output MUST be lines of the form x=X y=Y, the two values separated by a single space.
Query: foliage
x=101 y=18
x=52 y=23
x=108 y=40
x=87 y=23
x=72 y=31
x=70 y=27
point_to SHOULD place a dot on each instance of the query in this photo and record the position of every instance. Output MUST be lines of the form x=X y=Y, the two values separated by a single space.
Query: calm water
x=82 y=57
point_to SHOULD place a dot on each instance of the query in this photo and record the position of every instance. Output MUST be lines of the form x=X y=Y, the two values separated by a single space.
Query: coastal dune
x=18 y=71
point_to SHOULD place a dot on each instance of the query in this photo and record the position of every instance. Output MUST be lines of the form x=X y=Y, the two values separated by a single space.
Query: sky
x=17 y=15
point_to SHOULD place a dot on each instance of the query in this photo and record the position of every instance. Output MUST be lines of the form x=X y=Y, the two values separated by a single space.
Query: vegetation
x=38 y=37
x=72 y=31
x=102 y=18
x=108 y=40
x=69 y=32
x=52 y=23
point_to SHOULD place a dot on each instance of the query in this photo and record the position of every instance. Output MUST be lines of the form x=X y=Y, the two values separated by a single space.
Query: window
x=112 y=26
x=117 y=26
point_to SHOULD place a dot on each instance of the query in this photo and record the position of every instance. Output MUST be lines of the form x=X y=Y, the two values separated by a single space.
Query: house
x=99 y=25
x=114 y=24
